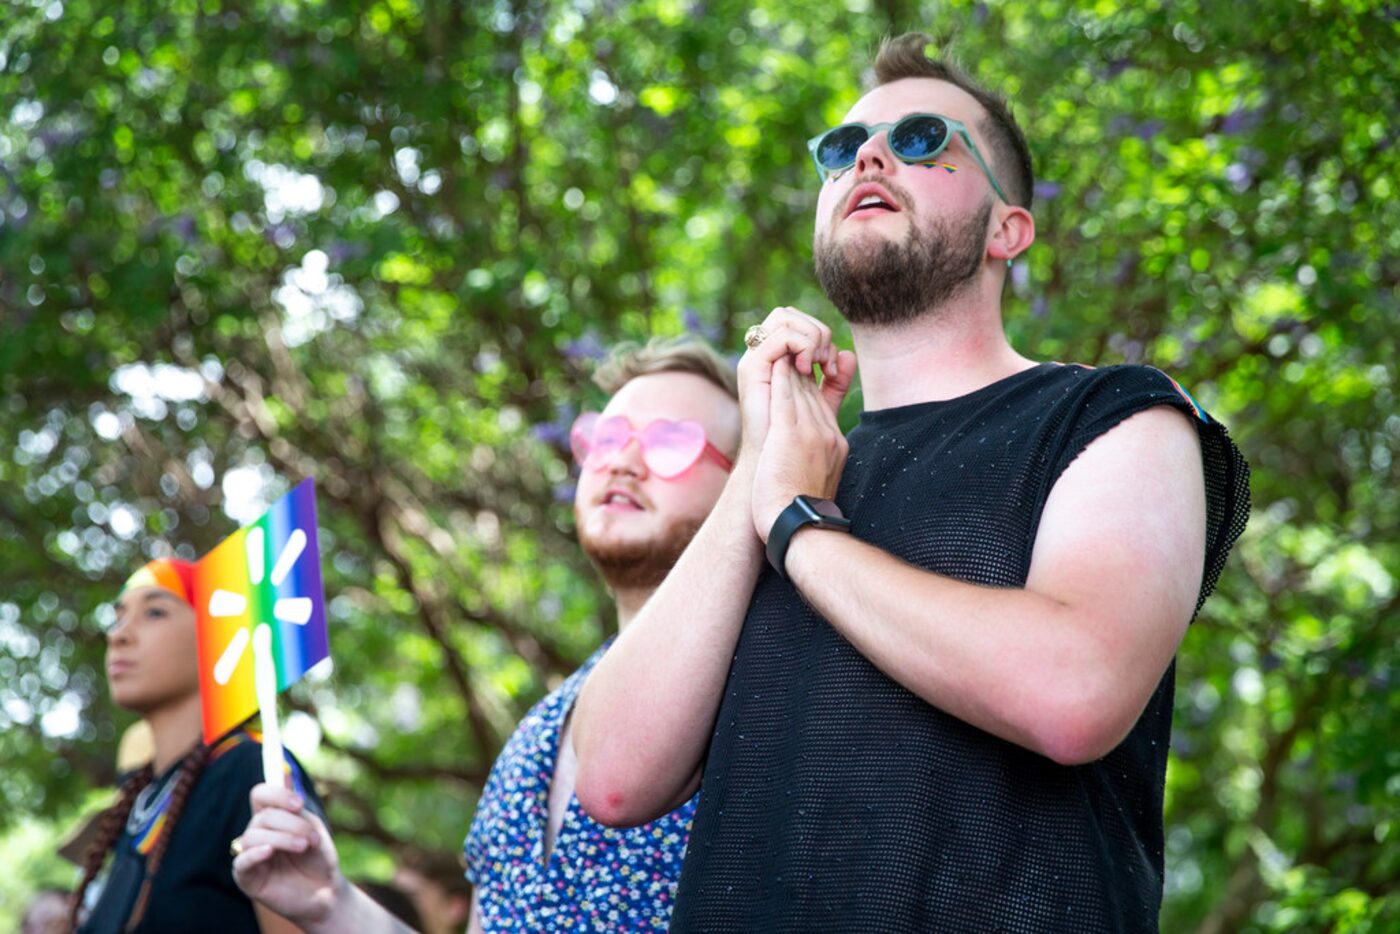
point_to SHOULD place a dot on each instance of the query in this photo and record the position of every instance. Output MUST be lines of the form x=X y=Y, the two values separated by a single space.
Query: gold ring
x=235 y=848
x=755 y=336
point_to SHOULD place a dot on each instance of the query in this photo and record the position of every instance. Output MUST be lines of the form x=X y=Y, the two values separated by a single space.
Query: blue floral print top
x=596 y=878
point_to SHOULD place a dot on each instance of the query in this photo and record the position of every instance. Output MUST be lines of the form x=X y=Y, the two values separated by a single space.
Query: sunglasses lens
x=581 y=435
x=921 y=137
x=610 y=435
x=837 y=148
x=672 y=447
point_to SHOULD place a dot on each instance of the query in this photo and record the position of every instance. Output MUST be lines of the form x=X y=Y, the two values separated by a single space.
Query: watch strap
x=800 y=513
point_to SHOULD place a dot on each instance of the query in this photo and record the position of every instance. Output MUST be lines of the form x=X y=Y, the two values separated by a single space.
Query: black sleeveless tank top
x=833 y=799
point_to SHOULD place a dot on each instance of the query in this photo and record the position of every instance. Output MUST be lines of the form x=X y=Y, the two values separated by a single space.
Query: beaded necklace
x=147 y=817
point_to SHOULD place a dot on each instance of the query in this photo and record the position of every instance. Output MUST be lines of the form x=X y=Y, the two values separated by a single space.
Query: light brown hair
x=684 y=354
x=907 y=56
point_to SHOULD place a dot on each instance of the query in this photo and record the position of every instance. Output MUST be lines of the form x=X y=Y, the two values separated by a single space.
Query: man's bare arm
x=1065 y=665
x=644 y=716
x=643 y=720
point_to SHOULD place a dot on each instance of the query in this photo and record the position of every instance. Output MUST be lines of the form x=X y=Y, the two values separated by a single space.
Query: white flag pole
x=265 y=682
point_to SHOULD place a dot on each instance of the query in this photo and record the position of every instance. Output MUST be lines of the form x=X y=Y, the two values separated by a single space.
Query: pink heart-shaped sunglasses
x=669 y=448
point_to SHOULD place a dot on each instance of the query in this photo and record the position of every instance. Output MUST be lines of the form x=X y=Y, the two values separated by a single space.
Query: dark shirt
x=194 y=888
x=834 y=799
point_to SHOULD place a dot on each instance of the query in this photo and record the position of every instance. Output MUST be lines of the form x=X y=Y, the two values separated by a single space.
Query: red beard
x=632 y=565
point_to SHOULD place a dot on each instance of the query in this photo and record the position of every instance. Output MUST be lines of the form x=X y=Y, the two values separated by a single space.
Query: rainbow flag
x=267 y=574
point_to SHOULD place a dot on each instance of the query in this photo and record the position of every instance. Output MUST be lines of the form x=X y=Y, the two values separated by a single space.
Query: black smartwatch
x=802 y=512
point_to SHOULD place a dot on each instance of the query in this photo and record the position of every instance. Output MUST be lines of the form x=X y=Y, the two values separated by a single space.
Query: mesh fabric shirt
x=834 y=799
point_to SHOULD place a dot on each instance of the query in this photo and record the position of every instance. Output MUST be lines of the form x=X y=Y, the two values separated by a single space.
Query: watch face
x=810 y=506
x=819 y=509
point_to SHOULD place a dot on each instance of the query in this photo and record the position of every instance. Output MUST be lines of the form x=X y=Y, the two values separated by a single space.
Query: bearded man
x=943 y=701
x=652 y=464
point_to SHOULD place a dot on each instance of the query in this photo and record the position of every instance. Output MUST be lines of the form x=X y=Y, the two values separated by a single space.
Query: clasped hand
x=790 y=428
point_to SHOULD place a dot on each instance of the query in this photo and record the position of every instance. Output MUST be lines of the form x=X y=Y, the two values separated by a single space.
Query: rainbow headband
x=170 y=574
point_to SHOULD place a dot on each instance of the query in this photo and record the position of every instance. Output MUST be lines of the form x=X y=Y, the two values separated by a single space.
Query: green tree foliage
x=380 y=243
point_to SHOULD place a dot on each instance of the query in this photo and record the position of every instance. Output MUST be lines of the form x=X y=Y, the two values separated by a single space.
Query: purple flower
x=588 y=346
x=1124 y=272
x=1240 y=120
x=56 y=138
x=564 y=492
x=1117 y=67
x=556 y=431
x=184 y=227
x=278 y=233
x=1254 y=158
x=18 y=212
x=694 y=324
x=1040 y=307
x=1047 y=191
x=550 y=433
x=342 y=250
x=1238 y=175
x=1148 y=129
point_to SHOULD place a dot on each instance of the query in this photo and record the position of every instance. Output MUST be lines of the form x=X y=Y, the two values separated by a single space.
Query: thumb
x=835 y=386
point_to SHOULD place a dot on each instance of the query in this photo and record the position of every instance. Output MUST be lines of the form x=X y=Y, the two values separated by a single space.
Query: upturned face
x=913 y=196
x=631 y=522
x=898 y=241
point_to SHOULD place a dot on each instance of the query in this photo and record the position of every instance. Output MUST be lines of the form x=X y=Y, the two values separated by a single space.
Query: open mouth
x=872 y=203
x=619 y=499
x=870 y=199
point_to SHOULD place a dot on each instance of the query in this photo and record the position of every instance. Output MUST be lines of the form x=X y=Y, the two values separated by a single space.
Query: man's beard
x=633 y=565
x=893 y=283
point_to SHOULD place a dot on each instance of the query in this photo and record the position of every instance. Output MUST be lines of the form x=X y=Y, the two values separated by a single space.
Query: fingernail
x=297 y=802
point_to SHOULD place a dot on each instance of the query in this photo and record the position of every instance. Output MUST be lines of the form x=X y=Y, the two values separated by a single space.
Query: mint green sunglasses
x=915 y=138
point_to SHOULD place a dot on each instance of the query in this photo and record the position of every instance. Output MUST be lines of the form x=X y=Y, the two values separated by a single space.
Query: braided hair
x=190 y=771
x=109 y=828
x=115 y=818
